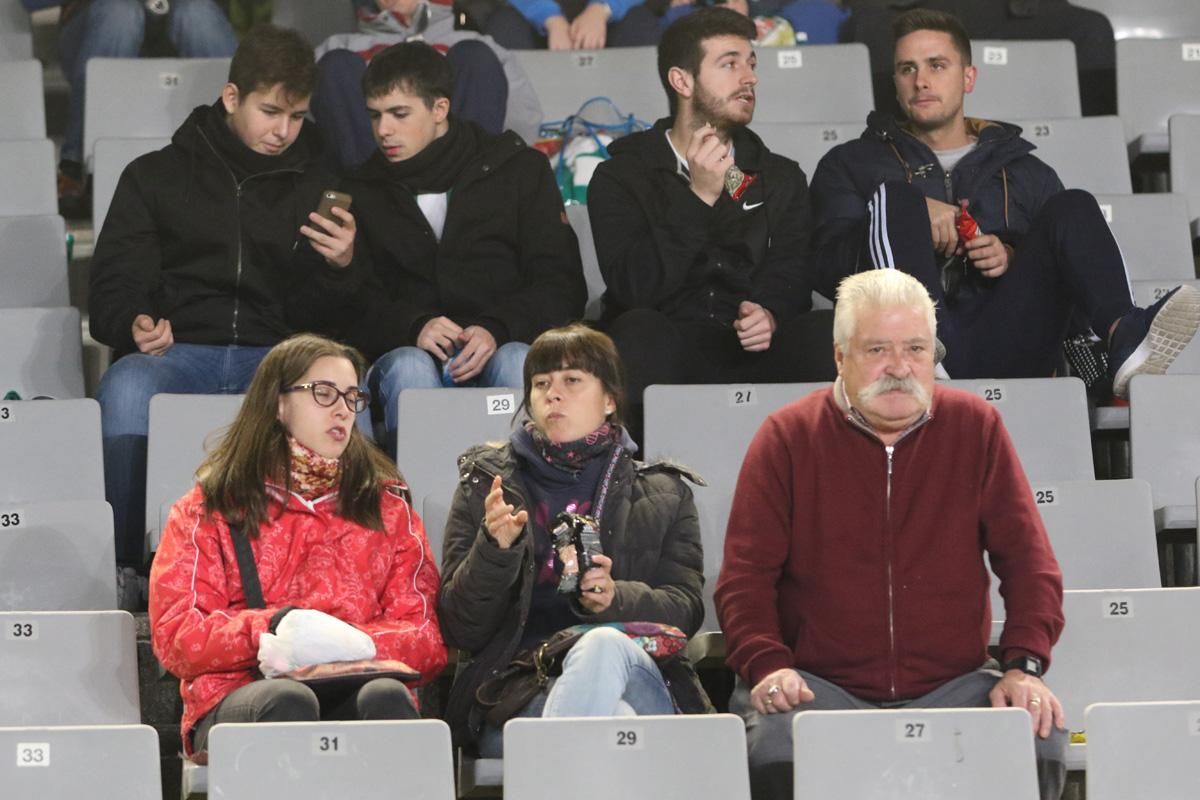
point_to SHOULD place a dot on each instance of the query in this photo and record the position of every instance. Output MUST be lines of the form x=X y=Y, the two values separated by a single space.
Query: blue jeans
x=124 y=395
x=115 y=29
x=414 y=368
x=604 y=675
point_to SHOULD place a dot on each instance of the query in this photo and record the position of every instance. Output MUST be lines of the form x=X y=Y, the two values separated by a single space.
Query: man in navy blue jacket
x=905 y=194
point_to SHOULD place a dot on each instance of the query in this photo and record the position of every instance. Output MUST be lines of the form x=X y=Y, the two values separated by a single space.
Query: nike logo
x=751 y=206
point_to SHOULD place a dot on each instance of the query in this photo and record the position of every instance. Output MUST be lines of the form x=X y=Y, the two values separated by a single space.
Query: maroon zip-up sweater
x=863 y=564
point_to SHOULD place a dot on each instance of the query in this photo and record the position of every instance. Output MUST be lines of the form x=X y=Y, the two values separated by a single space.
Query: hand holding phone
x=331 y=229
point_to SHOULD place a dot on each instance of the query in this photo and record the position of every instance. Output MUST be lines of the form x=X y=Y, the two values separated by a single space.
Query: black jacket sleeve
x=840 y=215
x=782 y=284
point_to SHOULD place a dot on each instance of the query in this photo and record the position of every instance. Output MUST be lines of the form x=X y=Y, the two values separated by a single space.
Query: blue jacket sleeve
x=537 y=12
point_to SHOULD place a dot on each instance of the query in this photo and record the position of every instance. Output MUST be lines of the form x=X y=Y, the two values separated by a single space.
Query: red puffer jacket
x=383 y=582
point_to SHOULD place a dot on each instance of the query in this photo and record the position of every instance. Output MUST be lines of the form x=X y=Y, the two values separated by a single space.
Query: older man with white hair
x=854 y=574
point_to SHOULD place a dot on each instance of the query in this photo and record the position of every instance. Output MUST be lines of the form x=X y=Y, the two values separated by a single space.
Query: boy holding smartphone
x=211 y=253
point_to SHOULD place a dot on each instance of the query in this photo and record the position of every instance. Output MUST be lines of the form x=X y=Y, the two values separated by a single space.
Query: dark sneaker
x=1148 y=340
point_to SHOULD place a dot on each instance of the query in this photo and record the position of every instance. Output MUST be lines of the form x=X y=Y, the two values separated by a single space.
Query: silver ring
x=1037 y=701
x=774 y=690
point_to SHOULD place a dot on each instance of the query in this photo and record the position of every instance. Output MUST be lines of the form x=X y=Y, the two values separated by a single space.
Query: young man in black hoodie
x=471 y=255
x=210 y=255
x=701 y=232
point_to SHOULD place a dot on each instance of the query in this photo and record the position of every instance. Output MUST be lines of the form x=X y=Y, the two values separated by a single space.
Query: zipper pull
x=891 y=448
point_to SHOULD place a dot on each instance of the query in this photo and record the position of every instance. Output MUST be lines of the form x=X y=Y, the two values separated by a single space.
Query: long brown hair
x=254 y=449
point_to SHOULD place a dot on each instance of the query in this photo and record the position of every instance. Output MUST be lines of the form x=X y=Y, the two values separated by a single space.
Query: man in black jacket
x=1005 y=290
x=701 y=232
x=470 y=251
x=209 y=256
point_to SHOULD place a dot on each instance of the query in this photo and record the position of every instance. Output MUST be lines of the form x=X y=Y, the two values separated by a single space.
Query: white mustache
x=909 y=385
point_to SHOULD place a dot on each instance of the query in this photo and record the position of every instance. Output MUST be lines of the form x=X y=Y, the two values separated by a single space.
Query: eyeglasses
x=326 y=394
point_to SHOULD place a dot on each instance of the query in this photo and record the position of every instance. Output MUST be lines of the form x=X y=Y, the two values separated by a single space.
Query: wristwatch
x=1030 y=665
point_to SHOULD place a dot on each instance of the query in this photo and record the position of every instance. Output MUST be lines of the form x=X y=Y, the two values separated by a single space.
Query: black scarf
x=435 y=169
x=241 y=159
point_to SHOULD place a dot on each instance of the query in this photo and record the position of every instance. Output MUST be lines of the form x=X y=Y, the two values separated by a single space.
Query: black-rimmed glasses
x=326 y=394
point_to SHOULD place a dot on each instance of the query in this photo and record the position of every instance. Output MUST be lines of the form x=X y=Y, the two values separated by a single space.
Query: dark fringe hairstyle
x=577 y=346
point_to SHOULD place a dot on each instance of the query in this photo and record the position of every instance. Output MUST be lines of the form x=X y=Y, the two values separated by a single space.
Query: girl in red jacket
x=344 y=570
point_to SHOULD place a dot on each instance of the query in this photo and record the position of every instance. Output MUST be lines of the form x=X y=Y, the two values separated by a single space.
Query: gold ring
x=597 y=590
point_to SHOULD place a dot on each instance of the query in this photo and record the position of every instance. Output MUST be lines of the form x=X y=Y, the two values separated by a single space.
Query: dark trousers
x=638 y=28
x=340 y=108
x=1012 y=326
x=285 y=700
x=769 y=736
x=658 y=349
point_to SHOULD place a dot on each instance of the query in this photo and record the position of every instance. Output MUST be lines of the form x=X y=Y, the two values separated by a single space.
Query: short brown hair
x=255 y=449
x=270 y=56
x=682 y=43
x=923 y=19
x=576 y=346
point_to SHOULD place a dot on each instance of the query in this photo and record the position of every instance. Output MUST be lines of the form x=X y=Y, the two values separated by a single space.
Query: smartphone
x=330 y=200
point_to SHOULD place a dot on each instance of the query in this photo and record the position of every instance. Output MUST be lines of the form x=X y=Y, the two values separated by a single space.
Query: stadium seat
x=1047 y=419
x=68 y=668
x=1143 y=750
x=564 y=79
x=806 y=142
x=708 y=428
x=818 y=83
x=1184 y=137
x=315 y=19
x=377 y=760
x=43 y=352
x=28 y=174
x=1024 y=80
x=1155 y=79
x=57 y=556
x=435 y=510
x=111 y=158
x=1124 y=645
x=52 y=451
x=1087 y=152
x=578 y=217
x=14 y=19
x=183 y=428
x=16 y=46
x=636 y=757
x=33 y=262
x=1148 y=19
x=1164 y=443
x=24 y=103
x=437 y=425
x=1152 y=231
x=118 y=761
x=1102 y=533
x=980 y=753
x=129 y=98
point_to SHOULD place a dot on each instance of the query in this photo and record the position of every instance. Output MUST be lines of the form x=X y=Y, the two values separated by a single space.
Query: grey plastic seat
x=1086 y=152
x=316 y=19
x=980 y=753
x=689 y=756
x=1164 y=443
x=435 y=427
x=708 y=428
x=817 y=83
x=81 y=761
x=564 y=79
x=1150 y=19
x=806 y=142
x=43 y=352
x=1152 y=232
x=24 y=100
x=33 y=262
x=1047 y=419
x=16 y=46
x=1024 y=80
x=57 y=443
x=111 y=158
x=378 y=760
x=578 y=217
x=435 y=510
x=1184 y=140
x=1102 y=533
x=183 y=428
x=1155 y=79
x=1124 y=645
x=1143 y=750
x=129 y=98
x=57 y=556
x=14 y=19
x=29 y=175
x=68 y=668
